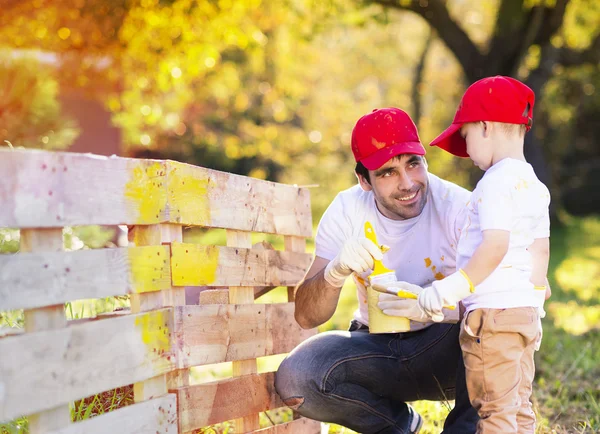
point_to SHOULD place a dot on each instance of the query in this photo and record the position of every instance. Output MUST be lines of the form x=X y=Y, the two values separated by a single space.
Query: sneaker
x=416 y=422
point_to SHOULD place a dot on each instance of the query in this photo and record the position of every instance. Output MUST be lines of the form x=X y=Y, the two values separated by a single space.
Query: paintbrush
x=381 y=274
x=402 y=293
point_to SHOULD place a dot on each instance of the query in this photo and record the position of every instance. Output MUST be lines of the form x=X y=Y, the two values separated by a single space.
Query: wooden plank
x=214 y=296
x=199 y=196
x=31 y=280
x=242 y=295
x=224 y=333
x=56 y=189
x=294 y=244
x=42 y=370
x=156 y=416
x=210 y=403
x=196 y=265
x=298 y=426
x=47 y=318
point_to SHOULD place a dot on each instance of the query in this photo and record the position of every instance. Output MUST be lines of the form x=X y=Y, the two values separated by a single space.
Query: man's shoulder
x=349 y=203
x=353 y=197
x=446 y=192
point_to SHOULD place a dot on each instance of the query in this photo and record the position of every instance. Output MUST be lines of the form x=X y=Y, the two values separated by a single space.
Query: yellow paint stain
x=427 y=262
x=193 y=264
x=146 y=193
x=442 y=257
x=155 y=334
x=150 y=268
x=522 y=184
x=466 y=231
x=439 y=276
x=377 y=144
x=188 y=189
x=433 y=268
x=361 y=280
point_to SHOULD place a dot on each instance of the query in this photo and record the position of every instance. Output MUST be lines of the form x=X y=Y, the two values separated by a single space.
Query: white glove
x=445 y=292
x=404 y=307
x=356 y=257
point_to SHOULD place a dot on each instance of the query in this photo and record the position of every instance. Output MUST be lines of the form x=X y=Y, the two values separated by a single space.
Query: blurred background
x=271 y=89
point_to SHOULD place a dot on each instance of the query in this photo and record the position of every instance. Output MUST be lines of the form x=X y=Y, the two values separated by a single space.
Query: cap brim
x=450 y=140
x=379 y=158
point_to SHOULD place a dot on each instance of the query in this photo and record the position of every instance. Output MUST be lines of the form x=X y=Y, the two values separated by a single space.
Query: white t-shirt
x=509 y=197
x=422 y=249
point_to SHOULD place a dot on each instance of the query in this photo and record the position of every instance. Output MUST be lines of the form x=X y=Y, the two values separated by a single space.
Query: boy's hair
x=509 y=130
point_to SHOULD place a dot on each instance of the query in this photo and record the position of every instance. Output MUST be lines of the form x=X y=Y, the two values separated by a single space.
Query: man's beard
x=405 y=212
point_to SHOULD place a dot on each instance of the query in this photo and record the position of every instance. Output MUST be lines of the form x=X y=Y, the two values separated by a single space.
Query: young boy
x=502 y=256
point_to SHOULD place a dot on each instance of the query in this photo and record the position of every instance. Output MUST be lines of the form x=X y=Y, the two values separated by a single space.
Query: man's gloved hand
x=356 y=256
x=445 y=292
x=405 y=307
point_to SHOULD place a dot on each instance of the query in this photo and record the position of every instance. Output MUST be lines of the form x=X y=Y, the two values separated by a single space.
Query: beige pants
x=498 y=347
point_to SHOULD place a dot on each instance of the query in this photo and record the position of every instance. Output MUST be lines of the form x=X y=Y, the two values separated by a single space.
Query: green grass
x=566 y=391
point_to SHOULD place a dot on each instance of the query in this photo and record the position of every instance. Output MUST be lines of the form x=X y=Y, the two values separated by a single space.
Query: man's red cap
x=383 y=134
x=494 y=99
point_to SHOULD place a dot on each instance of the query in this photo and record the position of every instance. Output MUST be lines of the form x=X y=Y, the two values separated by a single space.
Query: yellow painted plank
x=55 y=189
x=196 y=265
x=30 y=280
x=204 y=197
x=42 y=370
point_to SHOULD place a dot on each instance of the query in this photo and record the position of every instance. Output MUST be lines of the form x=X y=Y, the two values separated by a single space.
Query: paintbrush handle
x=378 y=267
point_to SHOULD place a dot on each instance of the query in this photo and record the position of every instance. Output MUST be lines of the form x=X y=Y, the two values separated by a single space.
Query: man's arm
x=316 y=299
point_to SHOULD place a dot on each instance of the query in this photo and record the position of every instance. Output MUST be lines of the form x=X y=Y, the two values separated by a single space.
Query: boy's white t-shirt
x=509 y=197
x=422 y=249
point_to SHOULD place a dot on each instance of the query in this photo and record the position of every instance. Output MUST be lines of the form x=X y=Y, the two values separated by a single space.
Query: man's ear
x=364 y=184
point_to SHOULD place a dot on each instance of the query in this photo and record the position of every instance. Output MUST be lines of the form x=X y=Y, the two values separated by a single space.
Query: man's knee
x=286 y=383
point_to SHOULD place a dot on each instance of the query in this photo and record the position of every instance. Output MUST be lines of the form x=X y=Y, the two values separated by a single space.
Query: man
x=361 y=380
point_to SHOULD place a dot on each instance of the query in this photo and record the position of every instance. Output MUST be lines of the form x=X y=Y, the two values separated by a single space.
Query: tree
x=30 y=114
x=522 y=29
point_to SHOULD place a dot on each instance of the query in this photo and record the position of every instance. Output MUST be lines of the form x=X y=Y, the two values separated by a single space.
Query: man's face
x=400 y=186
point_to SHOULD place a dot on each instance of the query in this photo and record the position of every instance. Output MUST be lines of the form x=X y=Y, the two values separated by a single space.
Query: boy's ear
x=486 y=128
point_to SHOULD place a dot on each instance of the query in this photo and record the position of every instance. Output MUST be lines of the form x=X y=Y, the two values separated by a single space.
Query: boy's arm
x=540 y=256
x=488 y=255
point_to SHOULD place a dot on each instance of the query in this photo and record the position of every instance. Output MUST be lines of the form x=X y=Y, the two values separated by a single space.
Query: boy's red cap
x=494 y=99
x=383 y=134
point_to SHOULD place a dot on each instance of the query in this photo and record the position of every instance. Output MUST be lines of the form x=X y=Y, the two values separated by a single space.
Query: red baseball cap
x=495 y=99
x=383 y=134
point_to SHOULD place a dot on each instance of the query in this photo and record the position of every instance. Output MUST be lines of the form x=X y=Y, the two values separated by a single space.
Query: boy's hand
x=445 y=292
x=356 y=256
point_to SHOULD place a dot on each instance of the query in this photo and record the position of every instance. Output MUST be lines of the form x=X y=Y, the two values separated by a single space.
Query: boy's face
x=480 y=146
x=399 y=186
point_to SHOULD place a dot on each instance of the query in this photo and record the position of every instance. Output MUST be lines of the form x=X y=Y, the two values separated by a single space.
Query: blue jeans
x=362 y=381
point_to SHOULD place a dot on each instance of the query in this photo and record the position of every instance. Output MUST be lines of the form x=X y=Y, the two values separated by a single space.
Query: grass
x=566 y=391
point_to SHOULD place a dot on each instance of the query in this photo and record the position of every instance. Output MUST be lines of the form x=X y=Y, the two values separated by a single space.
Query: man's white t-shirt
x=422 y=249
x=509 y=197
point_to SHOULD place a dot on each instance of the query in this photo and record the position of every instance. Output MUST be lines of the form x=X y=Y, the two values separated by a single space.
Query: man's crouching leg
x=344 y=378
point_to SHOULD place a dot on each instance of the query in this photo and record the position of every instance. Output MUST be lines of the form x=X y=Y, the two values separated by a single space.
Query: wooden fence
x=53 y=362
